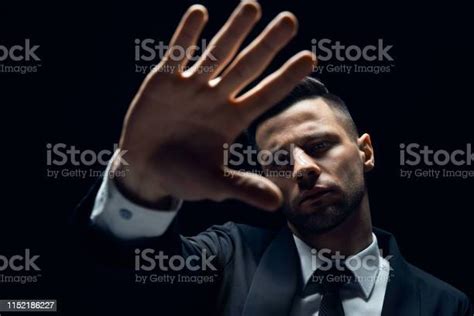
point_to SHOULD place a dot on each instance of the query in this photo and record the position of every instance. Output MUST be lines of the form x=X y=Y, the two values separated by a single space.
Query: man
x=328 y=260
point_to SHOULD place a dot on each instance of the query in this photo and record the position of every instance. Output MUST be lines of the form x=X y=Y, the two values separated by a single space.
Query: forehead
x=304 y=118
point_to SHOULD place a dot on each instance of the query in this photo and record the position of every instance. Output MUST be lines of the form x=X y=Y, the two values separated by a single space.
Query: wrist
x=133 y=186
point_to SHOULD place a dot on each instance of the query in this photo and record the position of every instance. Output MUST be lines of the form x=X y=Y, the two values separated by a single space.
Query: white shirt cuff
x=124 y=219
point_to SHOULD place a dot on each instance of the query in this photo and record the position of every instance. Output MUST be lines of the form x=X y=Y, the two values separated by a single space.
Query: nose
x=305 y=170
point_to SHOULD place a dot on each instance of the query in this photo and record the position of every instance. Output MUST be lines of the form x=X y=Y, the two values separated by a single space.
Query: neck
x=350 y=237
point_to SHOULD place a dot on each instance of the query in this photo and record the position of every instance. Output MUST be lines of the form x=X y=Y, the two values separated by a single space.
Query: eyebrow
x=305 y=139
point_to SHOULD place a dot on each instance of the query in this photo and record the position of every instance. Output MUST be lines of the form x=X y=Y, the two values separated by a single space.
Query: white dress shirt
x=127 y=220
x=364 y=298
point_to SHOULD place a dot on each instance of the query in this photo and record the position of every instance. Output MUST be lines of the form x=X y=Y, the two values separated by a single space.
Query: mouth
x=315 y=195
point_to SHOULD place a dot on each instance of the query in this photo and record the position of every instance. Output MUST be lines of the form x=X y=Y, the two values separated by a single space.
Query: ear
x=366 y=151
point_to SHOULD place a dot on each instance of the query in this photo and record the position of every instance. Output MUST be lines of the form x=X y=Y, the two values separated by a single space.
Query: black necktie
x=328 y=284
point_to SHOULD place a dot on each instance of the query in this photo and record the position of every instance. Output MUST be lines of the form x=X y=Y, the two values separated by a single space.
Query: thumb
x=251 y=188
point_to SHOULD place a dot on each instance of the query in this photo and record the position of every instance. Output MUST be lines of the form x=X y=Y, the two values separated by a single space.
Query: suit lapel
x=276 y=278
x=402 y=296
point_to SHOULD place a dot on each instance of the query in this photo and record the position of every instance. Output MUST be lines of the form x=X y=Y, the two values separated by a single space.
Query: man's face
x=324 y=183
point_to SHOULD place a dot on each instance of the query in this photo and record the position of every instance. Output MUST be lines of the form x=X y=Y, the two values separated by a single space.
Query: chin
x=317 y=220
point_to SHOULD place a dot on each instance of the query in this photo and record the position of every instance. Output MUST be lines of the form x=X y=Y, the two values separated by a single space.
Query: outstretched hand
x=179 y=120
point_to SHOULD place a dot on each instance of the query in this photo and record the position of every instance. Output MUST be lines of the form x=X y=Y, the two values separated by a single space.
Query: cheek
x=345 y=164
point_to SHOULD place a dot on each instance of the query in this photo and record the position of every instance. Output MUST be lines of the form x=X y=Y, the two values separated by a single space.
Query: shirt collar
x=364 y=264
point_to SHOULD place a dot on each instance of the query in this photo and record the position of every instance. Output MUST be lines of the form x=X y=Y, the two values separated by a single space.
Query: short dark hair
x=308 y=88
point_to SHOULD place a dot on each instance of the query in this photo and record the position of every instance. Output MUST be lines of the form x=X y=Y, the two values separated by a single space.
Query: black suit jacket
x=258 y=271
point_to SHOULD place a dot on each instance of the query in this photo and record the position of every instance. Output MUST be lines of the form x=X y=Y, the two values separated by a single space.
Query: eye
x=318 y=147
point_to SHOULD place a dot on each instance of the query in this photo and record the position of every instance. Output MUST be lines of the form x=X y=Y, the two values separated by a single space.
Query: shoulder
x=244 y=237
x=243 y=231
x=252 y=236
x=436 y=290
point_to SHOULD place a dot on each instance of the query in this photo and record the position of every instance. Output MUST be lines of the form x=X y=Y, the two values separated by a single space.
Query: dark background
x=87 y=79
